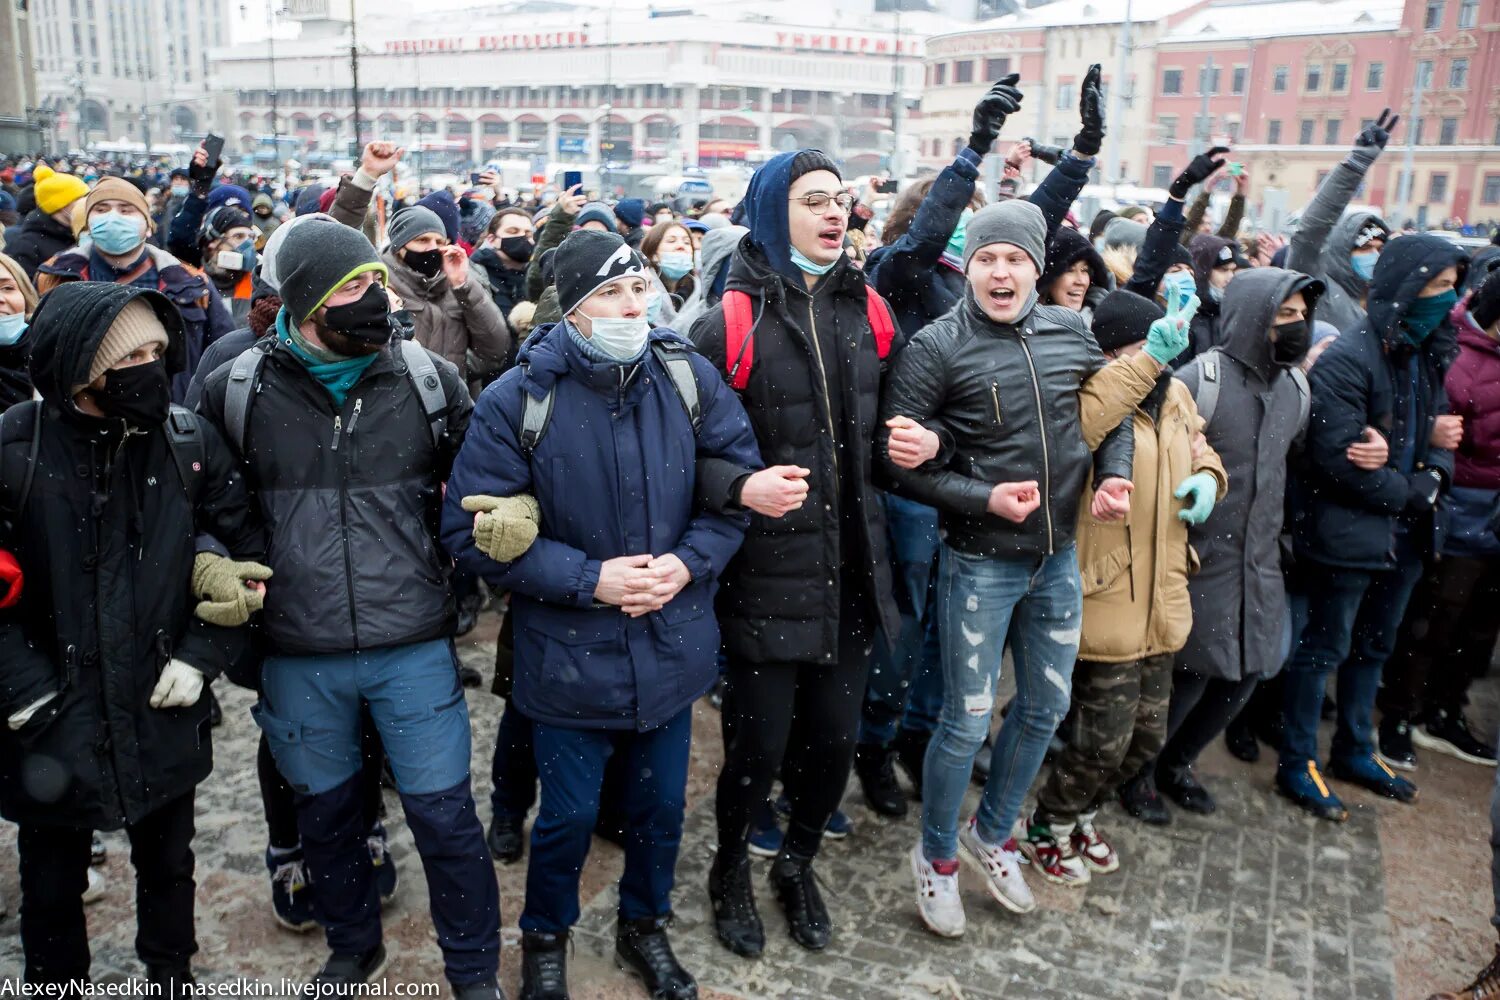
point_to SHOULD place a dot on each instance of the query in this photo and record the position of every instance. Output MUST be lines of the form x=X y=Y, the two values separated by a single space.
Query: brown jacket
x=1135 y=572
x=453 y=321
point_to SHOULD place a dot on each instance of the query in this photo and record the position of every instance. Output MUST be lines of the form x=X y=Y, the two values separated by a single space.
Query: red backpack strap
x=881 y=324
x=739 y=346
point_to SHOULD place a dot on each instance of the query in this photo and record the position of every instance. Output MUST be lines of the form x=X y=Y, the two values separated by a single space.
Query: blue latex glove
x=1203 y=488
x=1168 y=336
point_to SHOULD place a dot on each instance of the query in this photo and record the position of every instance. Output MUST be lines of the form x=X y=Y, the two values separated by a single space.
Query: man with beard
x=346 y=438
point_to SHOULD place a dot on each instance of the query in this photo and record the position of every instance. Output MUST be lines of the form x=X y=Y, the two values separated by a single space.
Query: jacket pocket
x=584 y=670
x=1194 y=564
x=1101 y=573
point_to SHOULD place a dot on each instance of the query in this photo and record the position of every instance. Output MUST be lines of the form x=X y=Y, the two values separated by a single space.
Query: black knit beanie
x=1123 y=318
x=809 y=160
x=1179 y=254
x=587 y=261
x=1484 y=306
x=1066 y=248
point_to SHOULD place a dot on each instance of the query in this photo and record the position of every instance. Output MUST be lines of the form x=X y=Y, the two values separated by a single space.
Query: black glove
x=1378 y=132
x=989 y=114
x=202 y=178
x=1047 y=154
x=1425 y=487
x=1091 y=111
x=1203 y=165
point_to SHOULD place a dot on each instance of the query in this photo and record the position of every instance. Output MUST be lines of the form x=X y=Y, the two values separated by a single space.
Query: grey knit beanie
x=409 y=223
x=315 y=260
x=1019 y=223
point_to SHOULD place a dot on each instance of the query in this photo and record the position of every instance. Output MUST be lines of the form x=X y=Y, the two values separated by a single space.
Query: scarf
x=334 y=372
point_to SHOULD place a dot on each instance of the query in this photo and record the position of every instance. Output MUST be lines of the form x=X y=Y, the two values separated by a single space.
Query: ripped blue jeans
x=1037 y=606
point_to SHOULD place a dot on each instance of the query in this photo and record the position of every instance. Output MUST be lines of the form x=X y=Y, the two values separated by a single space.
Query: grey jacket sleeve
x=1327 y=207
x=352 y=201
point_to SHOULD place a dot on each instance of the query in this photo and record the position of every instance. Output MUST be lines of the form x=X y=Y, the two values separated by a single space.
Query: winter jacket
x=1018 y=401
x=38 y=238
x=613 y=476
x=1207 y=252
x=105 y=541
x=452 y=321
x=205 y=318
x=911 y=273
x=556 y=229
x=1324 y=242
x=182 y=232
x=1473 y=387
x=1135 y=572
x=350 y=497
x=1372 y=376
x=1239 y=597
x=812 y=398
x=15 y=378
x=715 y=254
x=507 y=284
x=1156 y=253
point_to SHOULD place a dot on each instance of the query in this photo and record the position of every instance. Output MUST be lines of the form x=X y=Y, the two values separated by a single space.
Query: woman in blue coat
x=602 y=421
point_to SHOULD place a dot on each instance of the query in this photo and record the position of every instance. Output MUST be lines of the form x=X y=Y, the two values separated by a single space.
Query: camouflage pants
x=1119 y=723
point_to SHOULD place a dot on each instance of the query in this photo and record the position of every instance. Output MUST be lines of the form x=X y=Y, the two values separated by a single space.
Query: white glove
x=179 y=686
x=15 y=722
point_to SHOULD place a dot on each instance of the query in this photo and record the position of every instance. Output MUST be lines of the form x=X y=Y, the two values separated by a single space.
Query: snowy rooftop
x=1279 y=18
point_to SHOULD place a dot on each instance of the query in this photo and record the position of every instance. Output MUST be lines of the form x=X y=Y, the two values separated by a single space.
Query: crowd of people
x=821 y=471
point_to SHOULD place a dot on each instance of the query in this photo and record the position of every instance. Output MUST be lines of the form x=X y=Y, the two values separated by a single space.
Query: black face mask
x=139 y=395
x=427 y=263
x=366 y=320
x=517 y=248
x=1292 y=342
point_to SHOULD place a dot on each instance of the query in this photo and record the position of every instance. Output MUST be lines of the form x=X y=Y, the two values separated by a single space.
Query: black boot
x=173 y=978
x=642 y=949
x=1239 y=737
x=736 y=919
x=485 y=989
x=1179 y=785
x=911 y=754
x=507 y=838
x=344 y=969
x=797 y=891
x=544 y=966
x=875 y=766
x=1138 y=797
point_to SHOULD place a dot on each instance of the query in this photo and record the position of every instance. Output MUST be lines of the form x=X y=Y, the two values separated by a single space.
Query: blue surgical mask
x=1364 y=264
x=622 y=339
x=1179 y=286
x=12 y=328
x=114 y=234
x=1427 y=314
x=675 y=265
x=808 y=267
x=960 y=233
x=653 y=308
x=179 y=190
x=1215 y=293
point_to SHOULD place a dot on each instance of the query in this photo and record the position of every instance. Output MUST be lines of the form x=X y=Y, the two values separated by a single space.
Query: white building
x=124 y=69
x=577 y=84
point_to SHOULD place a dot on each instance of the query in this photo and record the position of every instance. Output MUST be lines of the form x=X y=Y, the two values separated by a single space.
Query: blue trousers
x=310 y=713
x=571 y=764
x=905 y=689
x=1036 y=604
x=1352 y=622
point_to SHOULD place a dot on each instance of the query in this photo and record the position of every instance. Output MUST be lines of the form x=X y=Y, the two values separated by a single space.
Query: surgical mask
x=114 y=234
x=1426 y=315
x=366 y=319
x=1215 y=293
x=624 y=340
x=960 y=233
x=808 y=267
x=1178 y=287
x=12 y=328
x=1364 y=264
x=1292 y=341
x=675 y=265
x=427 y=263
x=517 y=248
x=139 y=395
x=653 y=308
x=179 y=190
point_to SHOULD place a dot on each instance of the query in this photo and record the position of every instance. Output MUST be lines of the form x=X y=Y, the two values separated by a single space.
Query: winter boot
x=346 y=969
x=796 y=889
x=544 y=966
x=1306 y=787
x=642 y=949
x=736 y=920
x=1179 y=785
x=1139 y=797
x=507 y=838
x=875 y=765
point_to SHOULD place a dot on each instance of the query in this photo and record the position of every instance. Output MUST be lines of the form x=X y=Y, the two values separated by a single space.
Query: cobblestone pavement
x=1256 y=901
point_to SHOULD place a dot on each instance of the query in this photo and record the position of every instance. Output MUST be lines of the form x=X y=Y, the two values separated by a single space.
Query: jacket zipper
x=338 y=428
x=833 y=440
x=1041 y=426
x=995 y=396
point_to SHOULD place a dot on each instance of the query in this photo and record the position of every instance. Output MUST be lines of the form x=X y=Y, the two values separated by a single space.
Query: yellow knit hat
x=55 y=191
x=135 y=326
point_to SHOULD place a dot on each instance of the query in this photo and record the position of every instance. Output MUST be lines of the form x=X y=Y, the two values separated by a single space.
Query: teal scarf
x=334 y=372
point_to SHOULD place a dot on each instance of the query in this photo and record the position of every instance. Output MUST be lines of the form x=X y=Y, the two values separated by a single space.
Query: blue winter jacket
x=1345 y=516
x=614 y=476
x=910 y=273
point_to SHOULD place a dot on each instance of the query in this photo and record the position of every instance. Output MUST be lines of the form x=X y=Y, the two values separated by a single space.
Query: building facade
x=127 y=70
x=19 y=118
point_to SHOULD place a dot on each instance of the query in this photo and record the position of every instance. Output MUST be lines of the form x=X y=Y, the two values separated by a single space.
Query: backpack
x=676 y=358
x=244 y=386
x=1208 y=389
x=740 y=323
x=184 y=441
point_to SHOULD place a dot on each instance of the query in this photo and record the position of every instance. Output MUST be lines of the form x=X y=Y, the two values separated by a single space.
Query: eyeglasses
x=817 y=202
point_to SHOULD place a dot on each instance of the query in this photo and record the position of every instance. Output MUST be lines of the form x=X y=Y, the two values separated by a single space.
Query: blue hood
x=764 y=211
x=1406 y=265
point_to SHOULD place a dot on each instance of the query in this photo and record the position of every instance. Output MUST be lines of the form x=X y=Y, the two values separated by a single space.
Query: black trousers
x=1446 y=639
x=279 y=801
x=1201 y=707
x=54 y=874
x=800 y=719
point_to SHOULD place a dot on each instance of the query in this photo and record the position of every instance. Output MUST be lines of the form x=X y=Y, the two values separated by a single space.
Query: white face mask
x=621 y=339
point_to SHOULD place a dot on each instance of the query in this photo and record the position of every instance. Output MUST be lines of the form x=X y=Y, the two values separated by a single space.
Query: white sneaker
x=938 y=901
x=1001 y=868
x=97 y=885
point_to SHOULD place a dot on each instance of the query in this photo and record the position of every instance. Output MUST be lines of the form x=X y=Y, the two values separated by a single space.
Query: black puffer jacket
x=779 y=599
x=1017 y=402
x=15 y=378
x=350 y=496
x=105 y=540
x=39 y=238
